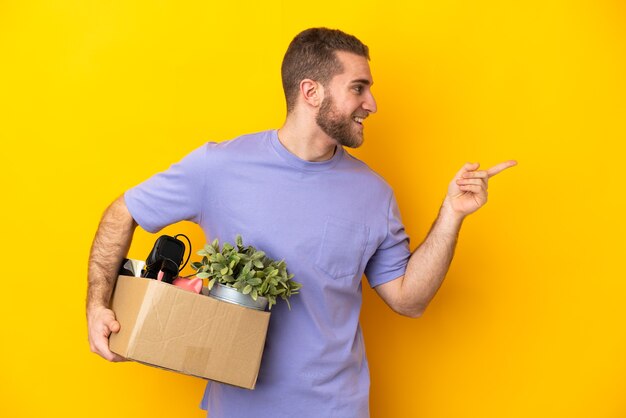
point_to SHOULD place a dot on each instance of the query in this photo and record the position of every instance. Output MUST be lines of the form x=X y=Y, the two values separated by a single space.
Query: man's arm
x=410 y=294
x=109 y=248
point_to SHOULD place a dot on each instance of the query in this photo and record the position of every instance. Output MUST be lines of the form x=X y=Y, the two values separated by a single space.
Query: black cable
x=189 y=255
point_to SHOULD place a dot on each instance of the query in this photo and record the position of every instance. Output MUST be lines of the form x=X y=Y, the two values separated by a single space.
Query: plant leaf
x=247 y=289
x=257 y=255
x=255 y=281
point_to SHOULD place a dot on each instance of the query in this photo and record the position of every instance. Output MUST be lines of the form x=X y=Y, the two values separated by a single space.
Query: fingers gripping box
x=164 y=326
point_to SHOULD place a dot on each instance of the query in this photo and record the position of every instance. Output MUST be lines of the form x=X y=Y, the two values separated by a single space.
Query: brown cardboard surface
x=168 y=327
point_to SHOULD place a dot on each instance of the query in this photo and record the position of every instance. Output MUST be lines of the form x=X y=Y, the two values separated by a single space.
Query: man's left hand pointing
x=467 y=192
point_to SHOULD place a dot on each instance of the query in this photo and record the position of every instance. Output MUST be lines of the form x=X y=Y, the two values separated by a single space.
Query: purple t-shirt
x=331 y=221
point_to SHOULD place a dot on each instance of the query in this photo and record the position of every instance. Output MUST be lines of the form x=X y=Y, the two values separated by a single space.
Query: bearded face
x=346 y=129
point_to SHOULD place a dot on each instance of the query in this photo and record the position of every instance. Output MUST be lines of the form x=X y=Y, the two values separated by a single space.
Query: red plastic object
x=192 y=285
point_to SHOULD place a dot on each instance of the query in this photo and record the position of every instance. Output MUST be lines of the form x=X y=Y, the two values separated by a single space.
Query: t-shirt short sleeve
x=392 y=255
x=170 y=196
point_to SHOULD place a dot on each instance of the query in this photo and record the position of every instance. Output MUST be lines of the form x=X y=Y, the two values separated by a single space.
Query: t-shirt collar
x=299 y=163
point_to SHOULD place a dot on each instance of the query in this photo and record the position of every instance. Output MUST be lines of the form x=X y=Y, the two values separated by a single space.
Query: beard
x=337 y=126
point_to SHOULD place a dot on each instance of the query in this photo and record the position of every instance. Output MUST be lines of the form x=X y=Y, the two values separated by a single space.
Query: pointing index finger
x=501 y=167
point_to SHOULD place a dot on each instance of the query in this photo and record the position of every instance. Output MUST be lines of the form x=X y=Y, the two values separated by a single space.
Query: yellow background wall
x=96 y=96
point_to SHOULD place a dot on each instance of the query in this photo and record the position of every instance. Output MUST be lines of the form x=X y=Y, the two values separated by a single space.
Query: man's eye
x=358 y=89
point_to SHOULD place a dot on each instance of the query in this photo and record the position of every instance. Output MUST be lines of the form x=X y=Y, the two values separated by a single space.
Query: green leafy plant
x=246 y=269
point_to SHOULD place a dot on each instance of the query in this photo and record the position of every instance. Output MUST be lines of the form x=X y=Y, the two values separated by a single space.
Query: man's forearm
x=109 y=247
x=430 y=262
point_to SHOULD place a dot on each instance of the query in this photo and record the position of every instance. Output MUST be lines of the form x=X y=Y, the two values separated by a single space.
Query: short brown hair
x=311 y=54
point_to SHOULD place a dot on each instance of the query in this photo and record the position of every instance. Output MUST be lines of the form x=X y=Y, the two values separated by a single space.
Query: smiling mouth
x=358 y=119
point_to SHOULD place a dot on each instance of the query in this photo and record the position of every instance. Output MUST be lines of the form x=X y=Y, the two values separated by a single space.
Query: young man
x=298 y=195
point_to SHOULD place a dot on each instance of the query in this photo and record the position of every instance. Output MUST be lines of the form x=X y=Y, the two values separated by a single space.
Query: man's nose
x=370 y=104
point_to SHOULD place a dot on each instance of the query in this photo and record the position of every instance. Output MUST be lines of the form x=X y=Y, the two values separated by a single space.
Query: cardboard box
x=171 y=328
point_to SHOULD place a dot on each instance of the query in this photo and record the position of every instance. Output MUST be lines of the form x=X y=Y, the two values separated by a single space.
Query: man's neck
x=307 y=142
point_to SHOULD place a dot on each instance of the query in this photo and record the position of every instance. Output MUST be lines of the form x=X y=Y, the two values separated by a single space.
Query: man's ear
x=312 y=92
